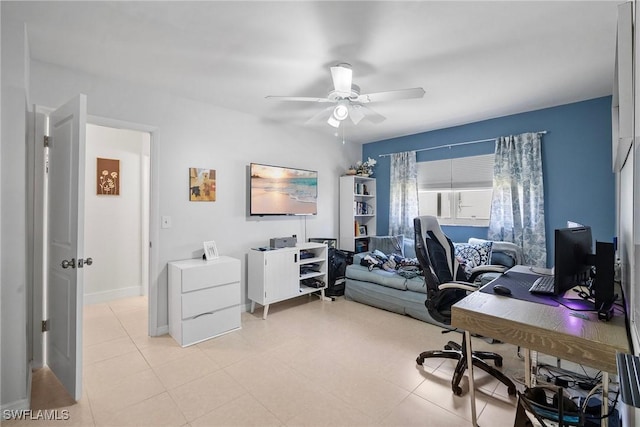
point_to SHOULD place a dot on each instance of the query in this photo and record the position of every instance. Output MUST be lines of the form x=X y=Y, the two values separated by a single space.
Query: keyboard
x=543 y=285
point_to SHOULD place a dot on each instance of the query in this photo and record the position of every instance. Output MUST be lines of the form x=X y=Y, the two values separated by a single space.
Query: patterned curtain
x=517 y=207
x=403 y=197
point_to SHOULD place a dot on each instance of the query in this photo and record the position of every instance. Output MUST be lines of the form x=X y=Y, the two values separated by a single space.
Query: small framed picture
x=210 y=250
x=362 y=230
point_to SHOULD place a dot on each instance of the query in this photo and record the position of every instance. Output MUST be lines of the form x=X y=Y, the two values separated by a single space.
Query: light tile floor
x=311 y=363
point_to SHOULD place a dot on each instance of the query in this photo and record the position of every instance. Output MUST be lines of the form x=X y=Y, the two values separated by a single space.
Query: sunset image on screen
x=283 y=191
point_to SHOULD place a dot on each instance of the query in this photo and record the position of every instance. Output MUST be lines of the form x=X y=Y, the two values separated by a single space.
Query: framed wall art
x=202 y=185
x=108 y=177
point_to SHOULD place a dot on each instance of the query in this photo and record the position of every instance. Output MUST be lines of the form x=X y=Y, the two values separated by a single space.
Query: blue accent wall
x=579 y=183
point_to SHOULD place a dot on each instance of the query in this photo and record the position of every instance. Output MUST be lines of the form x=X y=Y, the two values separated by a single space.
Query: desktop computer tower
x=603 y=289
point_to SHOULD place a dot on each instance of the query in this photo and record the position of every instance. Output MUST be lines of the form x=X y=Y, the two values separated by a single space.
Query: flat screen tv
x=277 y=190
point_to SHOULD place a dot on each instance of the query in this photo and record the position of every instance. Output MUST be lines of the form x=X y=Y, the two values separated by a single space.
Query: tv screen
x=276 y=190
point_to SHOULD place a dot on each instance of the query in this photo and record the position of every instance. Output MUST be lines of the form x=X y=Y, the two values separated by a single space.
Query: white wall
x=188 y=134
x=192 y=134
x=14 y=373
x=114 y=224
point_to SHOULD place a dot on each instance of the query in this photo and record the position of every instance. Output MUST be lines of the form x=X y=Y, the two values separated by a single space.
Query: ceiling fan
x=347 y=101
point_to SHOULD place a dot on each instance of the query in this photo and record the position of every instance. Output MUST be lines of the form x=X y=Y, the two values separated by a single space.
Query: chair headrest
x=430 y=223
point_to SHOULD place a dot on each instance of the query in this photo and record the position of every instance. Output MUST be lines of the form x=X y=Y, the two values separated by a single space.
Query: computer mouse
x=501 y=290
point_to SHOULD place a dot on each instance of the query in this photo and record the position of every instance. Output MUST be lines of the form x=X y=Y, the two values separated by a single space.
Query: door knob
x=83 y=262
x=67 y=263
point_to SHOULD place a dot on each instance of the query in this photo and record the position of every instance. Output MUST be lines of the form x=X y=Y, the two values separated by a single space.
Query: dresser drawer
x=210 y=299
x=214 y=274
x=209 y=325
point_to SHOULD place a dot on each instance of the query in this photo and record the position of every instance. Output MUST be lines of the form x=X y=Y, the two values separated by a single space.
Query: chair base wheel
x=419 y=360
x=457 y=390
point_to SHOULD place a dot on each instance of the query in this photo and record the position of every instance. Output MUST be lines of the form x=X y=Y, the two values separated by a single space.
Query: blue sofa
x=393 y=292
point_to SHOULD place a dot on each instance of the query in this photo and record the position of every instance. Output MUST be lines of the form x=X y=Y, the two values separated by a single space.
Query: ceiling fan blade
x=356 y=114
x=392 y=95
x=342 y=78
x=371 y=115
x=322 y=115
x=297 y=98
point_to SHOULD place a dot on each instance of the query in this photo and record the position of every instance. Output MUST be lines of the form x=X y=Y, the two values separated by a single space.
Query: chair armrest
x=481 y=269
x=458 y=285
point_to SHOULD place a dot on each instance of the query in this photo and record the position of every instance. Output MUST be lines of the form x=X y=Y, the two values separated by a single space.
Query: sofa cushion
x=389 y=279
x=409 y=248
x=502 y=258
x=499 y=247
x=387 y=244
x=417 y=284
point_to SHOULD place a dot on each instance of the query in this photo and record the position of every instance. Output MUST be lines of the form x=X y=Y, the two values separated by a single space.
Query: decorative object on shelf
x=108 y=177
x=364 y=168
x=362 y=230
x=202 y=185
x=210 y=250
x=351 y=171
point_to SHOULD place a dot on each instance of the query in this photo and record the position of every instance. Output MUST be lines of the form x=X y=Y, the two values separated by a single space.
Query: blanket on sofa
x=406 y=267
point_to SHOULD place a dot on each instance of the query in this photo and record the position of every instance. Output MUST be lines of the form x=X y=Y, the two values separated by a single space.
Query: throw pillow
x=474 y=255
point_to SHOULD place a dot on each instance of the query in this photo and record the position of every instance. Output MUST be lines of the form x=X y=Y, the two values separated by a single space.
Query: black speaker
x=603 y=282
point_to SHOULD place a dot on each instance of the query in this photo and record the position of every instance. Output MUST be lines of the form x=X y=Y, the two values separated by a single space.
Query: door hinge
x=47 y=141
x=45 y=326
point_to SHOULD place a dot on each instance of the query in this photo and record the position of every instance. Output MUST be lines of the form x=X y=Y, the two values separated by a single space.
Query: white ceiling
x=475 y=60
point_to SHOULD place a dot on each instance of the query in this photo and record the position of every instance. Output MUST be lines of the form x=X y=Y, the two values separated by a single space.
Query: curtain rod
x=456 y=144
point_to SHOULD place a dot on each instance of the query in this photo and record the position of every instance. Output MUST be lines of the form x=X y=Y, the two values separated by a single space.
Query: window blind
x=457 y=174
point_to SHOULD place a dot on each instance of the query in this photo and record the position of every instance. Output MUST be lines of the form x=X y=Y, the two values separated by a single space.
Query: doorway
x=117 y=192
x=144 y=167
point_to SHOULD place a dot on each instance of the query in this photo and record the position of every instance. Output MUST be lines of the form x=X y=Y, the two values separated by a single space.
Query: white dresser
x=204 y=298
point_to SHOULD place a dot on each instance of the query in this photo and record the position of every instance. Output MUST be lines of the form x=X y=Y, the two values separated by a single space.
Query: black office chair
x=447 y=284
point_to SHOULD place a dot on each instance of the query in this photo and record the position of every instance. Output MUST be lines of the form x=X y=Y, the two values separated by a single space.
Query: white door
x=67 y=129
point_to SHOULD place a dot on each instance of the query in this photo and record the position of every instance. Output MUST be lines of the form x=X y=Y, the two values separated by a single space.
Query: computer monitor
x=573 y=249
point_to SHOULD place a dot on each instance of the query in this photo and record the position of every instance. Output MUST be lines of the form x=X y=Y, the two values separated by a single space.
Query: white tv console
x=275 y=274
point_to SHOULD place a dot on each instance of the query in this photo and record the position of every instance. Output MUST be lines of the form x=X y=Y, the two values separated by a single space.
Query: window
x=457 y=191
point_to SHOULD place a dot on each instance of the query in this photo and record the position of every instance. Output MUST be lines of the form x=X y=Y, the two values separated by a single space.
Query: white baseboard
x=162 y=330
x=106 y=296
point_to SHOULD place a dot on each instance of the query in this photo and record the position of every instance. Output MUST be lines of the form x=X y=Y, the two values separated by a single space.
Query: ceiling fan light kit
x=349 y=100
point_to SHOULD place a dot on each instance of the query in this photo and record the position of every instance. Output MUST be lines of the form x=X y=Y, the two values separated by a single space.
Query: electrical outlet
x=166 y=222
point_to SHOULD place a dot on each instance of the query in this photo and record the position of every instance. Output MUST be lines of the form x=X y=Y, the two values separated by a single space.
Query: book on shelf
x=362 y=208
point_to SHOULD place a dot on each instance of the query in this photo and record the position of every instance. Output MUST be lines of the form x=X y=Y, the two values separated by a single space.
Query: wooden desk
x=549 y=330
